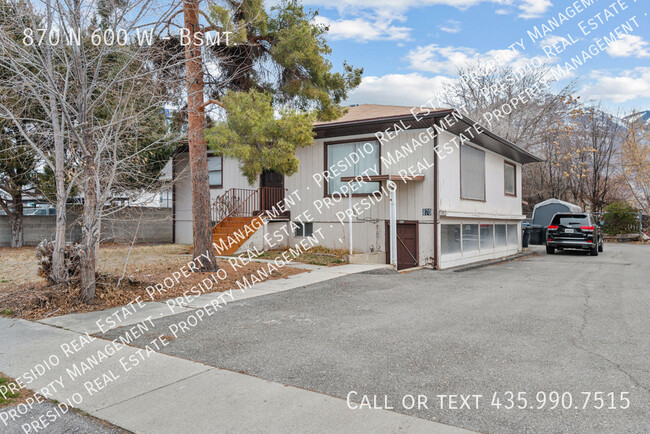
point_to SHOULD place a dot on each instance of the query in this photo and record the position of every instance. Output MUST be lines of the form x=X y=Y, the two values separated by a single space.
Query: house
x=452 y=188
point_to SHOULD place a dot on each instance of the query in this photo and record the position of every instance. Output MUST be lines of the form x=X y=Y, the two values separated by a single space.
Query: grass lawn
x=316 y=256
x=8 y=397
x=24 y=294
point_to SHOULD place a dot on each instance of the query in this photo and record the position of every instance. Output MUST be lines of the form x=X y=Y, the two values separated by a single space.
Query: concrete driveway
x=567 y=323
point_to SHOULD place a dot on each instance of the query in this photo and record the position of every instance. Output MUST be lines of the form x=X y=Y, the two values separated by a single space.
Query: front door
x=407 y=245
x=274 y=191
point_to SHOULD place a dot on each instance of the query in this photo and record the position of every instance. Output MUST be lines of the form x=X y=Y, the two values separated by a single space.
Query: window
x=513 y=238
x=510 y=175
x=450 y=239
x=472 y=173
x=303 y=229
x=571 y=220
x=215 y=171
x=499 y=236
x=470 y=238
x=487 y=237
x=352 y=159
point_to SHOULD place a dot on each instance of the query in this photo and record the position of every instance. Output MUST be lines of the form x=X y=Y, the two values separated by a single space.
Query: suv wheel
x=600 y=246
x=594 y=251
x=550 y=250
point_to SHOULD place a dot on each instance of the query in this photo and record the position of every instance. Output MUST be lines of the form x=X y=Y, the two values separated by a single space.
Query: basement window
x=303 y=229
x=450 y=240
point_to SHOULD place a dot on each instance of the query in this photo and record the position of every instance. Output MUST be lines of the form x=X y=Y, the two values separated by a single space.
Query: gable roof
x=371 y=118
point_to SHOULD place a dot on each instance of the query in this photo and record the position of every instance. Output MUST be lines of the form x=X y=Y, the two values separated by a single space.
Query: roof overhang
x=460 y=125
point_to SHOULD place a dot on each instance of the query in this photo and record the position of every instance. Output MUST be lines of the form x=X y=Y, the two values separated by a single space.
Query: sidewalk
x=163 y=393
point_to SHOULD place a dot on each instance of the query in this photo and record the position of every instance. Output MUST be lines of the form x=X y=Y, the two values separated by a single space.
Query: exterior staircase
x=225 y=231
x=237 y=208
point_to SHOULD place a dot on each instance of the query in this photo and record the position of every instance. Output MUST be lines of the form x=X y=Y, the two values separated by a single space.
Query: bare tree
x=635 y=160
x=25 y=71
x=490 y=89
x=105 y=99
x=595 y=140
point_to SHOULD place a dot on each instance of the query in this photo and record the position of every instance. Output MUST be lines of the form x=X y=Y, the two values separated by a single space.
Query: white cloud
x=627 y=86
x=450 y=26
x=629 y=46
x=363 y=30
x=527 y=8
x=447 y=60
x=554 y=39
x=398 y=89
x=534 y=8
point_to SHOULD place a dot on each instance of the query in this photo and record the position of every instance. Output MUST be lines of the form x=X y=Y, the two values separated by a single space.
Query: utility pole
x=201 y=226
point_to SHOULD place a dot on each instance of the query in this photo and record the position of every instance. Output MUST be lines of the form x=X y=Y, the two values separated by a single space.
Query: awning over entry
x=377 y=178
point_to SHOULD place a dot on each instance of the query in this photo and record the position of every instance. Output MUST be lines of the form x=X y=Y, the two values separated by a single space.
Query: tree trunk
x=16 y=219
x=89 y=232
x=59 y=273
x=201 y=229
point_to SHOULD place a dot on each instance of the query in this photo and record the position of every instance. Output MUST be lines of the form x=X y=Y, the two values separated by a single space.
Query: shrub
x=72 y=260
x=620 y=218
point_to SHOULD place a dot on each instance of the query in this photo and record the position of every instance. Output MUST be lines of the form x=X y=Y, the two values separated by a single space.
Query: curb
x=493 y=262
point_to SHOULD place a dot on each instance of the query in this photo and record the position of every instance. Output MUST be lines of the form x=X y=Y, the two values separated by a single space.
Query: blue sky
x=409 y=48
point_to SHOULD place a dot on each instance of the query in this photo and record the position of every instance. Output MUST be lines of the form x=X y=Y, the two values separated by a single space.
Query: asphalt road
x=568 y=323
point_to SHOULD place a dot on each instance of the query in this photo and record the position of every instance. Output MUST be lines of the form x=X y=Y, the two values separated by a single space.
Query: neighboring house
x=454 y=207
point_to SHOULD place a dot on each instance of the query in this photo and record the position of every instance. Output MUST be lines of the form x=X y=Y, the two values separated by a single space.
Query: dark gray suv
x=574 y=231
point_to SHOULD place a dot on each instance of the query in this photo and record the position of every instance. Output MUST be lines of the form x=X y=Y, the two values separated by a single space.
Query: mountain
x=644 y=115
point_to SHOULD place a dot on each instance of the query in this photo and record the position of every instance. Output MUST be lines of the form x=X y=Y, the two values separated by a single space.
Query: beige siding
x=370 y=224
x=496 y=202
x=231 y=178
x=183 y=200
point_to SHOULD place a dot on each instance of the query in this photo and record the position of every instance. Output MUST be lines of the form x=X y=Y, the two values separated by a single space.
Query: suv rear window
x=571 y=220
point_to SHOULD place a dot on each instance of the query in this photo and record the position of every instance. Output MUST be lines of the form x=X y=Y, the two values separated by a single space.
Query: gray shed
x=544 y=211
x=542 y=215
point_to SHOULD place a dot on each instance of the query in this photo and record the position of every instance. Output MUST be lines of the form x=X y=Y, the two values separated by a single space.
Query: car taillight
x=587 y=228
x=589 y=241
x=553 y=227
x=550 y=239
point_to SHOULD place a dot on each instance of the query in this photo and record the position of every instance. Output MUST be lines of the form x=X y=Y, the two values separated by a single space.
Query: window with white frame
x=215 y=171
x=487 y=236
x=450 y=239
x=510 y=181
x=352 y=159
x=472 y=173
x=499 y=235
x=513 y=237
x=470 y=237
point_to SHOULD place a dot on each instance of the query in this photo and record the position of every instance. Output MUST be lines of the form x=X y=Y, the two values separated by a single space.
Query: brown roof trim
x=362 y=126
x=383 y=119
x=533 y=157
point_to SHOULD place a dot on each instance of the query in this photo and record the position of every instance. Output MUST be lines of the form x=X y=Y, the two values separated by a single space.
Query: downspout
x=174 y=198
x=393 y=222
x=350 y=211
x=436 y=219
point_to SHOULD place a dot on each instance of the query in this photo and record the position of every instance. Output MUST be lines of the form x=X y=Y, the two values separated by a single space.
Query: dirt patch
x=317 y=255
x=32 y=298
